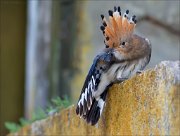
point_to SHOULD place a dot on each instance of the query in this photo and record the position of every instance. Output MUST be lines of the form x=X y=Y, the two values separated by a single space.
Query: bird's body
x=125 y=54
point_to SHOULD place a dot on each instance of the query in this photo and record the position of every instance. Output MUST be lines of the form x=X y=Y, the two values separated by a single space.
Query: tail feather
x=91 y=112
x=81 y=109
x=85 y=108
x=96 y=109
x=89 y=100
x=88 y=103
x=96 y=116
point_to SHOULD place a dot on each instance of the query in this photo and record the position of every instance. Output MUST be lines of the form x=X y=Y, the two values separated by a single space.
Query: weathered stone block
x=147 y=104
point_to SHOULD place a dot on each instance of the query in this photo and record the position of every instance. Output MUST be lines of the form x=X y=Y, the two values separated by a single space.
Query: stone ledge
x=147 y=104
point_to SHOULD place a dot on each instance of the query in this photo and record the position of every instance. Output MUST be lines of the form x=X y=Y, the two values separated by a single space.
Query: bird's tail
x=119 y=28
x=93 y=114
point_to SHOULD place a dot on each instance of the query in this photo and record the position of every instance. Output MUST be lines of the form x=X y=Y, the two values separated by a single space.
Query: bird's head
x=119 y=36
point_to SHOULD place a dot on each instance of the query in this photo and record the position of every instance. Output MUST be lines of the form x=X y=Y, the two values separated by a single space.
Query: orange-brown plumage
x=118 y=29
x=119 y=35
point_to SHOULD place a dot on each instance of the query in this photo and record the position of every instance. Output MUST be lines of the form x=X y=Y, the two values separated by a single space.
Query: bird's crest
x=118 y=29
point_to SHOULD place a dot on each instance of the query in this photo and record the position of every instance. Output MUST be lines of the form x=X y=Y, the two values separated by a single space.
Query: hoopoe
x=124 y=55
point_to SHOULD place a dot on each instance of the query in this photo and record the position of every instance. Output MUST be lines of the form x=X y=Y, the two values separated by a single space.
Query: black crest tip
x=102 y=28
x=134 y=16
x=115 y=9
x=127 y=11
x=104 y=24
x=135 y=21
x=102 y=17
x=119 y=9
x=107 y=38
x=110 y=13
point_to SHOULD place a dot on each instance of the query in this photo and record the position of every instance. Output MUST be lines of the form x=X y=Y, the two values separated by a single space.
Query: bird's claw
x=119 y=80
x=139 y=72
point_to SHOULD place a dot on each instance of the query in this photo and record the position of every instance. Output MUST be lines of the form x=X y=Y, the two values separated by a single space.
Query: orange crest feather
x=119 y=29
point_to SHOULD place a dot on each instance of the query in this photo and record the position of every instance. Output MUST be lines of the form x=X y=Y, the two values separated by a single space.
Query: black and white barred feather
x=90 y=105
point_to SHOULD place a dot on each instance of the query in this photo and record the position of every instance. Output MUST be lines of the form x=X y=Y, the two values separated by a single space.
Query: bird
x=125 y=54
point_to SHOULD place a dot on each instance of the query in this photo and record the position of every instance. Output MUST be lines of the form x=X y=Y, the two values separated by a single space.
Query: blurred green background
x=47 y=47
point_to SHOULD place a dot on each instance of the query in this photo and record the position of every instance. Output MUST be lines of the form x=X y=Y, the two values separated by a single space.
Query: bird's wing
x=91 y=84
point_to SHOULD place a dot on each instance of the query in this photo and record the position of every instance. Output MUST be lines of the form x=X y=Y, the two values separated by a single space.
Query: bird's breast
x=117 y=71
x=129 y=68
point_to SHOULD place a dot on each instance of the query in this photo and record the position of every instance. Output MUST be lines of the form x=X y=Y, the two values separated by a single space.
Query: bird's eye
x=123 y=43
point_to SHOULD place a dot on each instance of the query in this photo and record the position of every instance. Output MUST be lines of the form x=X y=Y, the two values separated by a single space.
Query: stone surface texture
x=147 y=104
